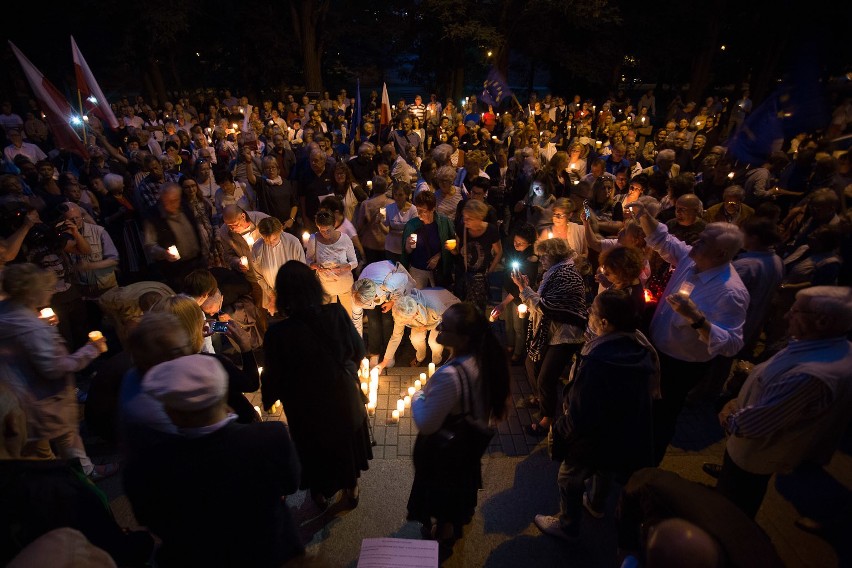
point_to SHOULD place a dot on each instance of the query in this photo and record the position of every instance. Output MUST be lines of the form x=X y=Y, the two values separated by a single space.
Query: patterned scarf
x=562 y=300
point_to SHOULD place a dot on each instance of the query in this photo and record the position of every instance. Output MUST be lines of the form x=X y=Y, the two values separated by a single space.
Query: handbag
x=460 y=439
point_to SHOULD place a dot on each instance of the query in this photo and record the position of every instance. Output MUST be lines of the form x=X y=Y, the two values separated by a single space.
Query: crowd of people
x=634 y=261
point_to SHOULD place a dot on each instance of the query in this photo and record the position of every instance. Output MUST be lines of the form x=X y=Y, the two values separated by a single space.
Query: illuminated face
x=520 y=244
x=273 y=240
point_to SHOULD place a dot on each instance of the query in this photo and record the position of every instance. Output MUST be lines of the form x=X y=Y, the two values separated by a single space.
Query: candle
x=257 y=409
x=549 y=234
x=95 y=336
x=260 y=370
x=731 y=175
x=411 y=391
x=643 y=120
x=369 y=184
x=423 y=375
x=686 y=289
x=383 y=211
x=414 y=238
x=244 y=261
x=46 y=313
x=234 y=125
x=522 y=311
x=174 y=252
x=306 y=236
x=371 y=408
x=598 y=143
x=365 y=388
x=407 y=401
x=494 y=138
x=418 y=384
x=430 y=369
x=400 y=406
x=451 y=244
x=374 y=374
x=573 y=166
x=249 y=239
x=395 y=416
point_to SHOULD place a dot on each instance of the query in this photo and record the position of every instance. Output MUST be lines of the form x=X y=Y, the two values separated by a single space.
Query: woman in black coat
x=311 y=365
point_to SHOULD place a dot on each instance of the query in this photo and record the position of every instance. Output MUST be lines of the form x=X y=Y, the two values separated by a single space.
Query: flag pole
x=82 y=114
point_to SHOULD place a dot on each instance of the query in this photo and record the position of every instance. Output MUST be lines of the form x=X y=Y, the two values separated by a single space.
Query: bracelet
x=699 y=323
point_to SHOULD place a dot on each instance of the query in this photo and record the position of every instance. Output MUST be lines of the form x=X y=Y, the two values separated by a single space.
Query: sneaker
x=587 y=503
x=552 y=526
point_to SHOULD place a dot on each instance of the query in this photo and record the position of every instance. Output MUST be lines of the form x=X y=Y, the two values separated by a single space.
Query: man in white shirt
x=700 y=315
x=20 y=148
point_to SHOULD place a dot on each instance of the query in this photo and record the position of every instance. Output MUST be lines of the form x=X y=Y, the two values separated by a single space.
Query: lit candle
x=306 y=236
x=369 y=184
x=374 y=374
x=46 y=313
x=95 y=336
x=235 y=125
x=430 y=369
x=731 y=175
x=494 y=138
x=407 y=401
x=549 y=234
x=451 y=244
x=573 y=166
x=244 y=261
x=174 y=252
x=260 y=370
x=383 y=211
x=418 y=384
x=365 y=388
x=686 y=289
x=371 y=408
x=257 y=409
x=522 y=311
x=400 y=405
x=395 y=416
x=411 y=391
x=423 y=376
x=643 y=120
x=249 y=239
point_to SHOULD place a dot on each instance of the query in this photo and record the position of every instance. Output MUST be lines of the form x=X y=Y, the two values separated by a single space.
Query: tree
x=308 y=20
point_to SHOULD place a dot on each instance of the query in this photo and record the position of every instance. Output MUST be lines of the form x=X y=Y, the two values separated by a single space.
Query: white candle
x=260 y=370
x=411 y=391
x=244 y=261
x=423 y=376
x=549 y=234
x=369 y=184
x=46 y=313
x=371 y=408
x=383 y=211
x=306 y=236
x=418 y=384
x=174 y=252
x=522 y=310
x=249 y=239
x=686 y=289
x=257 y=409
x=731 y=175
x=365 y=388
x=395 y=416
x=407 y=401
x=400 y=405
x=430 y=369
x=374 y=374
x=95 y=336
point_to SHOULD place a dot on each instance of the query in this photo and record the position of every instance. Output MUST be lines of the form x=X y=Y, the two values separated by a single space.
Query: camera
x=219 y=327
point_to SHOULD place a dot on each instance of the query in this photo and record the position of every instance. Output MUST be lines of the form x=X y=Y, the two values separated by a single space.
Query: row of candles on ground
x=369 y=379
x=276 y=406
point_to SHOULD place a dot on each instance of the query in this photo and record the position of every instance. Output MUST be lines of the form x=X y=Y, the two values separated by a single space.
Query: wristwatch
x=699 y=323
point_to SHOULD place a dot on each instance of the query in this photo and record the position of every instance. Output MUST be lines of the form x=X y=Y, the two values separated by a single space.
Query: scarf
x=275 y=181
x=637 y=337
x=561 y=299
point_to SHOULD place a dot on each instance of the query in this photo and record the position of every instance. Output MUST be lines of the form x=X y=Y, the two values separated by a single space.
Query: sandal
x=102 y=471
x=536 y=430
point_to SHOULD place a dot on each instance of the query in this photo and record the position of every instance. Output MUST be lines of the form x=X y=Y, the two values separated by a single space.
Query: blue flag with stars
x=494 y=89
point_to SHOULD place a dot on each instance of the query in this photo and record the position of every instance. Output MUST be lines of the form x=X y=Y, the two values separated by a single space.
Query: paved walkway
x=519 y=482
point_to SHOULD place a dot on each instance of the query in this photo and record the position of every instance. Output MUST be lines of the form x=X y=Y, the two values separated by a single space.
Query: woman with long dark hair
x=472 y=387
x=311 y=362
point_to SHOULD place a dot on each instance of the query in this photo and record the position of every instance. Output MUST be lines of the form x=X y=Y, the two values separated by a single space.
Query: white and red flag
x=92 y=95
x=57 y=111
x=386 y=107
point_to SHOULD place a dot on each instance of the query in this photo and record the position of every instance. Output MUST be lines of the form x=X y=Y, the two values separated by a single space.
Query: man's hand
x=684 y=306
x=433 y=262
x=726 y=411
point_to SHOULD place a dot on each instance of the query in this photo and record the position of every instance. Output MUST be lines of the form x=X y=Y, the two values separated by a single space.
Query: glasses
x=559 y=215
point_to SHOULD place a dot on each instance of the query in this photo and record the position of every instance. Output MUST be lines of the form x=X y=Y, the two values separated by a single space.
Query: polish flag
x=91 y=93
x=386 y=108
x=56 y=109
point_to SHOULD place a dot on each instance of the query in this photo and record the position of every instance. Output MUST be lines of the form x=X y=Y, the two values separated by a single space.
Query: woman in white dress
x=332 y=255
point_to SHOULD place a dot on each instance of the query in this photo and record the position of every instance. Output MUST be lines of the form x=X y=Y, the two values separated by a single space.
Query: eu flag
x=494 y=89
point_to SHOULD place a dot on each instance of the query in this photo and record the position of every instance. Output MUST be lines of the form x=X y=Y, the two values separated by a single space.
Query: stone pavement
x=520 y=482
